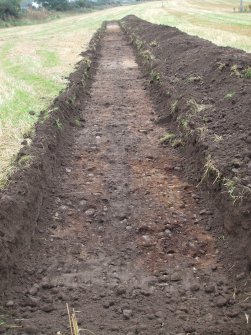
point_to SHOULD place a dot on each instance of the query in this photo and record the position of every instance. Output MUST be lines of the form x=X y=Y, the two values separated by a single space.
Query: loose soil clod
x=121 y=236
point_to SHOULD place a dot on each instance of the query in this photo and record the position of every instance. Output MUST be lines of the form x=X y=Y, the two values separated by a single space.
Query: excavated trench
x=122 y=237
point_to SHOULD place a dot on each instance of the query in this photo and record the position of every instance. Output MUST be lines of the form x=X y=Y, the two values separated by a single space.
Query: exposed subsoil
x=122 y=237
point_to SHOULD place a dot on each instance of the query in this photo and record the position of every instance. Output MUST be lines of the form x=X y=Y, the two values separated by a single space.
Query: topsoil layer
x=203 y=94
x=116 y=230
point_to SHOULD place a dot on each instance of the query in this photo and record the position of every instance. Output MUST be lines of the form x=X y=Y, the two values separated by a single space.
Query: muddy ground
x=122 y=236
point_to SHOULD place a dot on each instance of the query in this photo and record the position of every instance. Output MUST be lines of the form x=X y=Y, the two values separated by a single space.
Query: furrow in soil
x=120 y=239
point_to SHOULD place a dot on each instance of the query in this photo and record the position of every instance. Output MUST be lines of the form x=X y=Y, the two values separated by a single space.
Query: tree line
x=12 y=8
x=63 y=5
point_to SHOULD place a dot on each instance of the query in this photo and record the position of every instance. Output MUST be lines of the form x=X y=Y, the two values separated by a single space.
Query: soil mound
x=23 y=198
x=203 y=93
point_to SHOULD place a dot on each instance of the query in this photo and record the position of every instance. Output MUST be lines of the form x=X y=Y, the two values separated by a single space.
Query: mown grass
x=35 y=59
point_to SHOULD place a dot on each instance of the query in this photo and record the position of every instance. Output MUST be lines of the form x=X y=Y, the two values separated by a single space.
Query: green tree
x=83 y=4
x=59 y=5
x=9 y=8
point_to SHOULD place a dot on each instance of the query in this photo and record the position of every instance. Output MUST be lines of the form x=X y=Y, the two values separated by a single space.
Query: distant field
x=35 y=59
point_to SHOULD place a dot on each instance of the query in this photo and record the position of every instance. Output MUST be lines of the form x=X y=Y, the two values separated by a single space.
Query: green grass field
x=35 y=59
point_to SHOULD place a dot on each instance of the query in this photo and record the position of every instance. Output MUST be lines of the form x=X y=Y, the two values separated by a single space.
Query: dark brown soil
x=22 y=201
x=204 y=97
x=121 y=235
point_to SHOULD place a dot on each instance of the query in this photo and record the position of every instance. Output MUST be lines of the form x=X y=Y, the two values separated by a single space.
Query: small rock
x=124 y=221
x=159 y=314
x=221 y=302
x=235 y=171
x=62 y=208
x=164 y=278
x=33 y=290
x=146 y=293
x=127 y=313
x=47 y=285
x=210 y=289
x=68 y=170
x=114 y=328
x=168 y=167
x=183 y=309
x=233 y=313
x=195 y=288
x=149 y=157
x=147 y=241
x=175 y=277
x=120 y=290
x=189 y=329
x=208 y=227
x=236 y=163
x=240 y=276
x=143 y=131
x=106 y=304
x=10 y=303
x=170 y=252
x=83 y=202
x=90 y=212
x=47 y=308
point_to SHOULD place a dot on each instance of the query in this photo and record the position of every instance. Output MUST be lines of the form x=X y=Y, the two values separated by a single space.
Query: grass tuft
x=174 y=106
x=221 y=66
x=217 y=138
x=58 y=124
x=235 y=72
x=177 y=143
x=184 y=124
x=231 y=187
x=154 y=76
x=247 y=73
x=167 y=138
x=229 y=95
x=147 y=56
x=202 y=132
x=24 y=161
x=210 y=170
x=195 y=107
x=73 y=323
x=153 y=44
x=194 y=79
